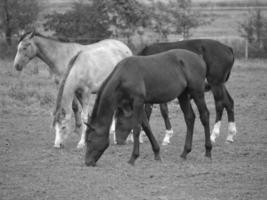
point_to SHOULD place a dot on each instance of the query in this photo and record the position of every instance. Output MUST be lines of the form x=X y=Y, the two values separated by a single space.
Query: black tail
x=228 y=75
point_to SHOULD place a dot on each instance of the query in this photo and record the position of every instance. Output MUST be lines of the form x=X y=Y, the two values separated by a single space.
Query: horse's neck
x=56 y=54
x=104 y=115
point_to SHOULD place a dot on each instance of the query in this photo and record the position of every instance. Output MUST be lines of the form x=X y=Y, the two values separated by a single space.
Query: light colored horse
x=86 y=72
x=54 y=53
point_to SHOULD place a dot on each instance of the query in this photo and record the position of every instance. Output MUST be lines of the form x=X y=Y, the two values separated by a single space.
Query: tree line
x=99 y=19
x=103 y=18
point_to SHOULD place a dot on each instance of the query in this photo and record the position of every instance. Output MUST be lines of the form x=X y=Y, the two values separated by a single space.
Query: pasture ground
x=30 y=168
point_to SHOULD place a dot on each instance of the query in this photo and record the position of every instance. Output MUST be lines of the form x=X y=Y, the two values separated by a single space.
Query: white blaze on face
x=59 y=137
x=17 y=57
x=215 y=131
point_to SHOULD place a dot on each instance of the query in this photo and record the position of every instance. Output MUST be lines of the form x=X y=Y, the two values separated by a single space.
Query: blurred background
x=242 y=24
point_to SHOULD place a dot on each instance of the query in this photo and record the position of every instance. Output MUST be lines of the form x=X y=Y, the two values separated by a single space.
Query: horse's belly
x=165 y=93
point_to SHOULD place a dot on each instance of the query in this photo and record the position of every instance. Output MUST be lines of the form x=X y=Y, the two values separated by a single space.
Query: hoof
x=213 y=138
x=58 y=146
x=80 y=146
x=165 y=143
x=158 y=158
x=183 y=156
x=90 y=164
x=208 y=155
x=229 y=139
x=131 y=162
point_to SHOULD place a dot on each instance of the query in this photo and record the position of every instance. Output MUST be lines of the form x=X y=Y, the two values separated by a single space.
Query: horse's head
x=97 y=142
x=26 y=51
x=61 y=124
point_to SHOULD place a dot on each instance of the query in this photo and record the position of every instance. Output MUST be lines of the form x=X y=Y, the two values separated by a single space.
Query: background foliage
x=87 y=21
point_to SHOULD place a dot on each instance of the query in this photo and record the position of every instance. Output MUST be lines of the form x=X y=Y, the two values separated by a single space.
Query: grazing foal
x=152 y=79
x=219 y=59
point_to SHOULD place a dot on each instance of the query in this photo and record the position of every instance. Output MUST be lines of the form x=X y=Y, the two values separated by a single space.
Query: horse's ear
x=32 y=33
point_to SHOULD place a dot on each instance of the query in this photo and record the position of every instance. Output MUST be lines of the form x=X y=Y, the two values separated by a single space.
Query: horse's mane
x=24 y=35
x=99 y=97
x=42 y=36
x=62 y=84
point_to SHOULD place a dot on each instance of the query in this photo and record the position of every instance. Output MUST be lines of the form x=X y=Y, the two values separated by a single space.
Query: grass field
x=30 y=168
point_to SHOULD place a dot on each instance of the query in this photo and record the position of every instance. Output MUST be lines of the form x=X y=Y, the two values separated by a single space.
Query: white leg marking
x=130 y=138
x=81 y=143
x=215 y=131
x=112 y=130
x=231 y=132
x=167 y=137
x=141 y=137
x=58 y=138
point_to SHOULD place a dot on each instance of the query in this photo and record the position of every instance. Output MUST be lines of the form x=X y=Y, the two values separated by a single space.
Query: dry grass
x=26 y=90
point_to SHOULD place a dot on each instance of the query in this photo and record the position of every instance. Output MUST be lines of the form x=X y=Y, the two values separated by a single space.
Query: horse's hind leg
x=165 y=114
x=218 y=95
x=155 y=146
x=223 y=100
x=76 y=107
x=229 y=105
x=204 y=117
x=140 y=117
x=85 y=96
x=189 y=117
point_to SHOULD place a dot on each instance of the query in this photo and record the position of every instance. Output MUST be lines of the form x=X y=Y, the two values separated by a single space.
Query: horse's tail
x=62 y=83
x=232 y=63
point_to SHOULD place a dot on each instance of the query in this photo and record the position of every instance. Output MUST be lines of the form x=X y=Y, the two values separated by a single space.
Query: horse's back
x=93 y=65
x=111 y=44
x=218 y=57
x=162 y=77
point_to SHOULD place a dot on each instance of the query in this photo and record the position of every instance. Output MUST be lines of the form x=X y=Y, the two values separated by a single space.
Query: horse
x=86 y=71
x=138 y=80
x=219 y=59
x=56 y=55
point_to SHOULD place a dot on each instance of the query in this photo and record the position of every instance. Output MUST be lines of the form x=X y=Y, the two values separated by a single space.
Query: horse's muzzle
x=18 y=67
x=90 y=163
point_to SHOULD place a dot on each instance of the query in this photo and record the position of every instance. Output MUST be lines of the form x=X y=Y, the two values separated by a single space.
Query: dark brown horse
x=138 y=80
x=219 y=59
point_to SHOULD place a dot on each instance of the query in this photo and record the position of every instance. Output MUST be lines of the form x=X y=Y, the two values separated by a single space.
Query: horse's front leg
x=189 y=117
x=168 y=132
x=85 y=96
x=137 y=112
x=135 y=153
x=155 y=146
x=204 y=117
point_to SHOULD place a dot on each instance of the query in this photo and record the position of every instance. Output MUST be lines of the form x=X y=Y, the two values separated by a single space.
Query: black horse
x=138 y=80
x=219 y=59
